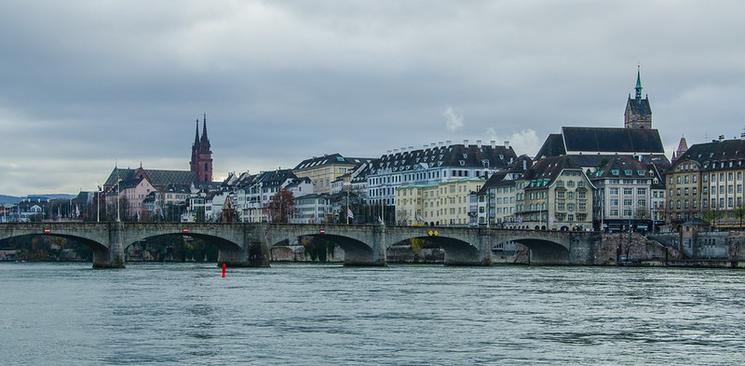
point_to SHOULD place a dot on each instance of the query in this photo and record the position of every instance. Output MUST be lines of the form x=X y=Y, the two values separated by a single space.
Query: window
x=629 y=191
x=614 y=191
x=641 y=191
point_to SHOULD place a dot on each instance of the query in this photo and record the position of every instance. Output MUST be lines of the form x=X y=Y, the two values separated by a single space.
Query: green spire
x=638 y=83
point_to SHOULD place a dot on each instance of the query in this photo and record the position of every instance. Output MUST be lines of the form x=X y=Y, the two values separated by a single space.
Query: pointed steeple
x=204 y=142
x=196 y=134
x=638 y=82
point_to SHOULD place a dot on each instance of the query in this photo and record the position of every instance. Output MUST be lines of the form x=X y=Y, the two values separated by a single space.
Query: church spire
x=204 y=127
x=638 y=83
x=196 y=134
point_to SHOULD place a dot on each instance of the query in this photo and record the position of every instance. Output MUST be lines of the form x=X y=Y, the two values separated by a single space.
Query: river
x=186 y=314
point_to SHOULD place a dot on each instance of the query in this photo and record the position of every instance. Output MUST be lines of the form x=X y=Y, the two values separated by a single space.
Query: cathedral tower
x=201 y=154
x=638 y=114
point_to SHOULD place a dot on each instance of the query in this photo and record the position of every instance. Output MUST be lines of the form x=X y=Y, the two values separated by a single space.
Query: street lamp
x=118 y=192
x=98 y=204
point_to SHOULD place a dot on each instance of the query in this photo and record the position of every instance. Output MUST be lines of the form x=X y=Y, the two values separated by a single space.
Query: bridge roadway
x=248 y=245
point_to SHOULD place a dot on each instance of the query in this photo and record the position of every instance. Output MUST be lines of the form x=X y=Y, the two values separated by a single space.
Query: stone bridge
x=249 y=244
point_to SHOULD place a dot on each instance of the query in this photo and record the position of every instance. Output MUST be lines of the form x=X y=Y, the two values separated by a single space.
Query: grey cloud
x=85 y=83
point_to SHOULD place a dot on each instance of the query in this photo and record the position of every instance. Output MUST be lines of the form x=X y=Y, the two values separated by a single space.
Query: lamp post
x=118 y=192
x=98 y=204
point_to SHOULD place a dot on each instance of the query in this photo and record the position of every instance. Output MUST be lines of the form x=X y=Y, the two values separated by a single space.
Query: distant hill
x=15 y=199
x=9 y=199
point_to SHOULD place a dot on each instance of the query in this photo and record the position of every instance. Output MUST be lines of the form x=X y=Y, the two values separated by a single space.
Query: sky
x=85 y=85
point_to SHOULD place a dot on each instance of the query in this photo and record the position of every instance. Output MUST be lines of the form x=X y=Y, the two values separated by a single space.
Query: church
x=590 y=146
x=171 y=186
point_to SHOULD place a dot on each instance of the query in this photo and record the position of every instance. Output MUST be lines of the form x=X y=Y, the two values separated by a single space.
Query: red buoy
x=224 y=270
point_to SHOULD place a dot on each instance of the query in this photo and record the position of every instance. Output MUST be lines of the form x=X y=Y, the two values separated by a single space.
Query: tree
x=281 y=205
x=740 y=213
x=712 y=216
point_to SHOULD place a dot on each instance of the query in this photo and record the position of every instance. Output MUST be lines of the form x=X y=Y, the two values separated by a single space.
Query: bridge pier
x=360 y=257
x=253 y=254
x=113 y=256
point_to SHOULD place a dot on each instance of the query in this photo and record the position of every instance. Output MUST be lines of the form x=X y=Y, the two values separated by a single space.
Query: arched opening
x=51 y=248
x=434 y=249
x=543 y=252
x=323 y=248
x=179 y=247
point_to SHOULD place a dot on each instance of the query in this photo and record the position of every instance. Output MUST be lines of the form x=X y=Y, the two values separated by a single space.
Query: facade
x=324 y=170
x=638 y=113
x=556 y=195
x=201 y=155
x=252 y=192
x=706 y=182
x=312 y=209
x=434 y=164
x=623 y=195
x=438 y=204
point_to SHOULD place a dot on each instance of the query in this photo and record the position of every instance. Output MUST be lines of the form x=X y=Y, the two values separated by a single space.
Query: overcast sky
x=86 y=83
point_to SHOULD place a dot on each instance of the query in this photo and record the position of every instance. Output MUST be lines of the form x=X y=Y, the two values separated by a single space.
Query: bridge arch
x=546 y=247
x=93 y=236
x=356 y=241
x=230 y=239
x=457 y=251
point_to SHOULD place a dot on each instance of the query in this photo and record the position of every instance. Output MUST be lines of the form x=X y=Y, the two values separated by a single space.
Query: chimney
x=525 y=165
x=478 y=142
x=411 y=148
x=721 y=137
x=388 y=151
x=493 y=143
x=442 y=143
x=395 y=151
x=465 y=142
x=506 y=144
x=448 y=142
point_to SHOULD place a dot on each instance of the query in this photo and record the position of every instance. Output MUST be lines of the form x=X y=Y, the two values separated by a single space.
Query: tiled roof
x=471 y=156
x=158 y=178
x=545 y=171
x=331 y=159
x=623 y=167
x=553 y=146
x=717 y=155
x=609 y=139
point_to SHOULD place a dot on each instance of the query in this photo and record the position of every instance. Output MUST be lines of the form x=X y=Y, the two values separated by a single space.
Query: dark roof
x=716 y=155
x=331 y=159
x=158 y=178
x=610 y=139
x=471 y=156
x=639 y=106
x=622 y=166
x=553 y=146
x=297 y=181
x=177 y=188
x=545 y=171
x=494 y=180
x=130 y=183
x=598 y=160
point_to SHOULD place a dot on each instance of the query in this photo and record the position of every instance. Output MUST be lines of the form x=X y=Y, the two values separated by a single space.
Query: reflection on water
x=173 y=314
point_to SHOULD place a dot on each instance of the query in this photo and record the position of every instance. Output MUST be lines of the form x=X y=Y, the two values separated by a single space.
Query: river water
x=186 y=314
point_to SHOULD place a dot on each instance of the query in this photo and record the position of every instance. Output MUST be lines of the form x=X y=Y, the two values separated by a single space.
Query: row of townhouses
x=582 y=178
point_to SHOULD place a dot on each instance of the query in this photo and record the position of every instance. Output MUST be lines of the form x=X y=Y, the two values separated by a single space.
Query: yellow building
x=707 y=183
x=323 y=170
x=440 y=204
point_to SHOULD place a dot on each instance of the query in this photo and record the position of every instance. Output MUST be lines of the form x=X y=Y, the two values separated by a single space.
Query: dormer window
x=462 y=162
